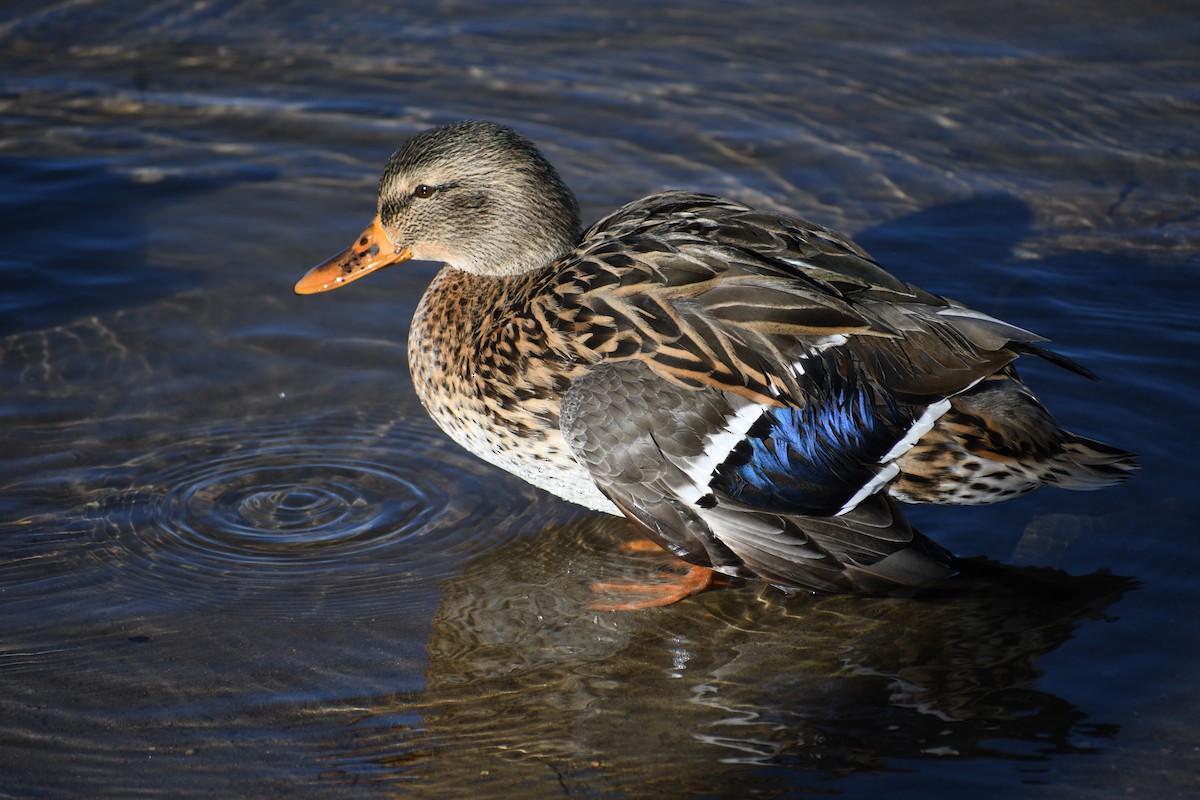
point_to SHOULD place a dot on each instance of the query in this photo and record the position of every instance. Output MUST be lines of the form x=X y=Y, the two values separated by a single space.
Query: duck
x=753 y=391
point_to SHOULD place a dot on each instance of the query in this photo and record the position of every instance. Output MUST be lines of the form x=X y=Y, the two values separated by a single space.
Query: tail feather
x=998 y=442
x=1087 y=464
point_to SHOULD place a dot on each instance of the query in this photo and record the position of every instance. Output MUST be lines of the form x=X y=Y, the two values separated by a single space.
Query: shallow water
x=237 y=559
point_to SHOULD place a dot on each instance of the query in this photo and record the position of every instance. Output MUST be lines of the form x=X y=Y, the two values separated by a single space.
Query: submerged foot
x=680 y=580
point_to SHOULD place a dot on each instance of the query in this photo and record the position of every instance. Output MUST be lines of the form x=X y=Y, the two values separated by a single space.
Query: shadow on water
x=930 y=246
x=529 y=690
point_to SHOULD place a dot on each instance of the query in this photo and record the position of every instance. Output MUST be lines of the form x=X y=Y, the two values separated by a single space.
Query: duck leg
x=682 y=580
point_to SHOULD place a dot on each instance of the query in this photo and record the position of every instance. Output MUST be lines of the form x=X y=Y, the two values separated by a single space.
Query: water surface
x=237 y=559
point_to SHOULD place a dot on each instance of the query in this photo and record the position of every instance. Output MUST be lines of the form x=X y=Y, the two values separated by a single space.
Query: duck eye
x=423 y=190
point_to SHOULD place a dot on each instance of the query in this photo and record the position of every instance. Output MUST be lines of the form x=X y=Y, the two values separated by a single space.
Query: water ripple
x=349 y=508
x=289 y=504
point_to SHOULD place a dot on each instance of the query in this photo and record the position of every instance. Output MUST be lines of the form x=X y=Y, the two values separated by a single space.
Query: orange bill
x=372 y=251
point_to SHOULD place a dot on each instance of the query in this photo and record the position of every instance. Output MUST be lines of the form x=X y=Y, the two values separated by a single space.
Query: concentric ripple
x=348 y=508
x=284 y=506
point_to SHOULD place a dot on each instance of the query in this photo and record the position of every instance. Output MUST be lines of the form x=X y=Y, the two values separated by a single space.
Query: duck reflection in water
x=528 y=690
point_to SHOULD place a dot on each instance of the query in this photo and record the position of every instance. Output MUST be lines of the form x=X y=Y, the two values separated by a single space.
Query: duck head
x=475 y=195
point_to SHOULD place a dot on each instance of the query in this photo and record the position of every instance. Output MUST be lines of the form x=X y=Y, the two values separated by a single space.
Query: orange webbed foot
x=679 y=585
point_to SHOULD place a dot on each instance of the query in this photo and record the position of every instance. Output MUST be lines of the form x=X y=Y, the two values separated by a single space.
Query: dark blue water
x=237 y=560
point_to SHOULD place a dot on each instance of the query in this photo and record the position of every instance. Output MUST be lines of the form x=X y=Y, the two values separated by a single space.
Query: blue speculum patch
x=813 y=458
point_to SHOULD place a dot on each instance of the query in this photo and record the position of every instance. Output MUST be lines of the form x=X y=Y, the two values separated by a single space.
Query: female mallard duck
x=751 y=389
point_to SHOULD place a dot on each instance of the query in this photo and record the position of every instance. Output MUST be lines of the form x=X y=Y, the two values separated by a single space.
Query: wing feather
x=711 y=292
x=656 y=450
